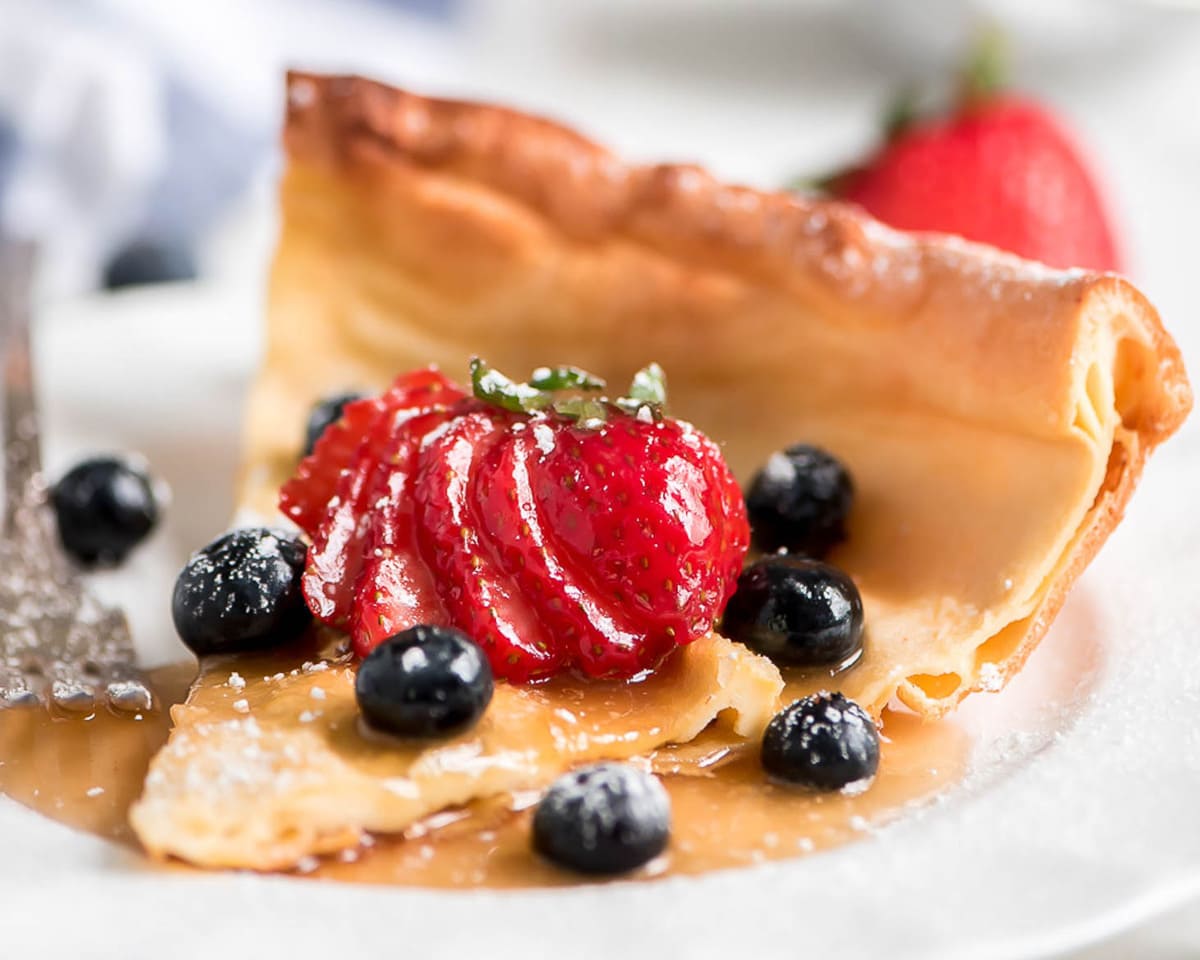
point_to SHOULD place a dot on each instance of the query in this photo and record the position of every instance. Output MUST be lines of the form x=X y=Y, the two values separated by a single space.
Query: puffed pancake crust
x=995 y=413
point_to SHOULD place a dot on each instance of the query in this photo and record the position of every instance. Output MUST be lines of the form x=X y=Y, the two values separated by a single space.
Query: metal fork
x=58 y=644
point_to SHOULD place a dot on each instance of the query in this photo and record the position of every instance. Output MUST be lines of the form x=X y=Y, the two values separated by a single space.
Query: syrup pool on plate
x=85 y=772
x=732 y=818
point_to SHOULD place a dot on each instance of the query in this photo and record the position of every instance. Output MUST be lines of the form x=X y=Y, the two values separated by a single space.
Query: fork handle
x=22 y=435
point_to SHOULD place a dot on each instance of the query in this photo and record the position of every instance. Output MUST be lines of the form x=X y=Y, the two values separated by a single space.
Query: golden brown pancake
x=995 y=415
x=261 y=772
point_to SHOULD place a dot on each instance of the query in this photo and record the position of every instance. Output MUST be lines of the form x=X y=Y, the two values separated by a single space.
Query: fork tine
x=126 y=692
x=68 y=689
x=15 y=689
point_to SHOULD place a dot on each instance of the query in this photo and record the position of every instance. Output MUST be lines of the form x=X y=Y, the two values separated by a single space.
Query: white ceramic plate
x=1078 y=818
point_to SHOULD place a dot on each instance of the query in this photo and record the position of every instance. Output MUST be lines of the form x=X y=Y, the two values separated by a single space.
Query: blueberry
x=799 y=502
x=149 y=261
x=797 y=612
x=324 y=414
x=105 y=508
x=242 y=592
x=424 y=682
x=824 y=741
x=603 y=819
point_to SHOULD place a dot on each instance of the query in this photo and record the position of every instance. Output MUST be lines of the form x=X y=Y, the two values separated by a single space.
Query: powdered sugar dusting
x=990 y=678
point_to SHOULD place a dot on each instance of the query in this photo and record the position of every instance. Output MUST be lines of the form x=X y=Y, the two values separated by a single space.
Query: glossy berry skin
x=554 y=546
x=604 y=819
x=426 y=682
x=324 y=414
x=799 y=502
x=999 y=170
x=241 y=592
x=105 y=507
x=797 y=612
x=824 y=742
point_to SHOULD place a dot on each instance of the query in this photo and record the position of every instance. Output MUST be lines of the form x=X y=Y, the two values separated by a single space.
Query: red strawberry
x=999 y=169
x=555 y=533
x=482 y=599
x=304 y=497
x=395 y=589
x=631 y=503
x=334 y=489
x=513 y=522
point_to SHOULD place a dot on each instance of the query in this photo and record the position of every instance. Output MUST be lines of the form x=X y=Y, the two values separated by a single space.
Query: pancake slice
x=995 y=415
x=265 y=767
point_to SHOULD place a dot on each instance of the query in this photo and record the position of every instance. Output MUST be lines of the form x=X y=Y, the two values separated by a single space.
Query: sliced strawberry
x=333 y=489
x=554 y=545
x=305 y=497
x=636 y=504
x=395 y=589
x=336 y=555
x=479 y=596
x=422 y=388
x=594 y=633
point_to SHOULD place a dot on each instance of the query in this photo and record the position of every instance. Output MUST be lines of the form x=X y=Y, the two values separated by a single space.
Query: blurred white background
x=135 y=119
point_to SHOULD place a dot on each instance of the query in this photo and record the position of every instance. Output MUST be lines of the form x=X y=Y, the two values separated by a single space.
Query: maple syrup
x=731 y=818
x=86 y=772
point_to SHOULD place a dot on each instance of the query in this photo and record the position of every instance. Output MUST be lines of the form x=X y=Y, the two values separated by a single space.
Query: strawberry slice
x=333 y=489
x=395 y=589
x=336 y=555
x=637 y=505
x=423 y=388
x=479 y=596
x=305 y=497
x=593 y=631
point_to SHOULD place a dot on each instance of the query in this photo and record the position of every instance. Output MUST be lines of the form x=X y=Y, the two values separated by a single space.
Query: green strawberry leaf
x=565 y=378
x=647 y=393
x=649 y=385
x=495 y=388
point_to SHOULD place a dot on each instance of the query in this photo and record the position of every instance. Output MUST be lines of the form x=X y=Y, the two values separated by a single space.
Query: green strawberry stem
x=587 y=411
x=986 y=69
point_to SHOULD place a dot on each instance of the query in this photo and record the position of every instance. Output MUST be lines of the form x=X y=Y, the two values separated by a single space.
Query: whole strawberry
x=558 y=530
x=997 y=168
